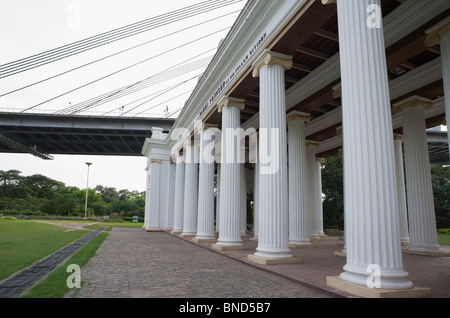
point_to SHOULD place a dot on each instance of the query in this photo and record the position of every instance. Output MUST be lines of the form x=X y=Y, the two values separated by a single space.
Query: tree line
x=40 y=195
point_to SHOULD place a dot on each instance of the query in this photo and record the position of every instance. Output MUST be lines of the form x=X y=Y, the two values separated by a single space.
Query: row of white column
x=374 y=211
x=374 y=214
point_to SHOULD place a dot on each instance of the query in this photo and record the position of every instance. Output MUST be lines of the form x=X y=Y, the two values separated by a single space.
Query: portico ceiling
x=312 y=39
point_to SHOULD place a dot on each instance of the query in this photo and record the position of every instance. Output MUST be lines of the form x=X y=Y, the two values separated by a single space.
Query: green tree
x=9 y=180
x=42 y=186
x=108 y=194
x=440 y=176
x=333 y=189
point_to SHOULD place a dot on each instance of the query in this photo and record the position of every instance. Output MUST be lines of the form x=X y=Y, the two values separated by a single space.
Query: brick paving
x=135 y=264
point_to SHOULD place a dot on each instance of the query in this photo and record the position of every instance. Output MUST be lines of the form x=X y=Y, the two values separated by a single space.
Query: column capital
x=320 y=160
x=436 y=32
x=228 y=101
x=413 y=101
x=295 y=115
x=155 y=161
x=326 y=2
x=398 y=137
x=272 y=58
x=200 y=126
x=311 y=144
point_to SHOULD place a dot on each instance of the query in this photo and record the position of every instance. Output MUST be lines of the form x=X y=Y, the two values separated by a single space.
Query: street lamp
x=87 y=188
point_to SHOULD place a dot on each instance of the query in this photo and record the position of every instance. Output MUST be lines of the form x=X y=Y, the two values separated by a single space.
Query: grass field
x=23 y=243
x=444 y=239
x=55 y=284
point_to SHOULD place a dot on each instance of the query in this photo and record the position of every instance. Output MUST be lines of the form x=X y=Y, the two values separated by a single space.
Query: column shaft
x=230 y=185
x=319 y=162
x=217 y=229
x=147 y=200
x=403 y=212
x=256 y=203
x=171 y=212
x=273 y=183
x=154 y=208
x=205 y=225
x=179 y=196
x=312 y=216
x=243 y=200
x=190 y=191
x=422 y=219
x=370 y=192
x=298 y=182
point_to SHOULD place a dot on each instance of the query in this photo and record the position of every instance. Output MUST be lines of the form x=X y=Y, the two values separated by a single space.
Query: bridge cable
x=129 y=89
x=114 y=54
x=123 y=69
x=30 y=62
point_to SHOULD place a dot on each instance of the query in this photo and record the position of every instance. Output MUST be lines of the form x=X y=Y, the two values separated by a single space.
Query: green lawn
x=444 y=239
x=55 y=284
x=23 y=243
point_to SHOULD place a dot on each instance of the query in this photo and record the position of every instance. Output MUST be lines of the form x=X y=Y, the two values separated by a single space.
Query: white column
x=154 y=208
x=256 y=203
x=298 y=182
x=230 y=185
x=243 y=200
x=319 y=162
x=440 y=34
x=403 y=212
x=370 y=192
x=171 y=208
x=205 y=225
x=217 y=229
x=164 y=193
x=179 y=196
x=190 y=190
x=312 y=216
x=147 y=199
x=273 y=182
x=422 y=218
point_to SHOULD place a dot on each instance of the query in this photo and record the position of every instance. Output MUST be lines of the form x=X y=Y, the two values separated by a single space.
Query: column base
x=254 y=239
x=273 y=261
x=220 y=247
x=153 y=230
x=366 y=292
x=204 y=240
x=187 y=235
x=340 y=253
x=307 y=245
x=440 y=253
x=176 y=232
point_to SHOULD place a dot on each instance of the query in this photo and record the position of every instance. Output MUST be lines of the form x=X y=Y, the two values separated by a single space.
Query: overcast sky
x=29 y=27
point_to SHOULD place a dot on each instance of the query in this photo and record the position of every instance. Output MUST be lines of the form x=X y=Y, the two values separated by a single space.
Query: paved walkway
x=17 y=284
x=134 y=264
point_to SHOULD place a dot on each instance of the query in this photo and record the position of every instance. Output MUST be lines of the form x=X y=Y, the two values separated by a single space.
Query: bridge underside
x=46 y=135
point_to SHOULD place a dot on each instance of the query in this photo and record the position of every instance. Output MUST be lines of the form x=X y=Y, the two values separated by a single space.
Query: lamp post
x=87 y=188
